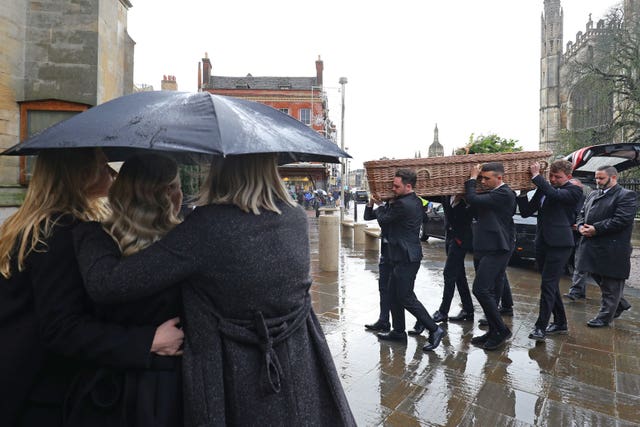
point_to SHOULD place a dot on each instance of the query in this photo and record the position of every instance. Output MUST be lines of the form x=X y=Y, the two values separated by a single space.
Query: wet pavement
x=588 y=377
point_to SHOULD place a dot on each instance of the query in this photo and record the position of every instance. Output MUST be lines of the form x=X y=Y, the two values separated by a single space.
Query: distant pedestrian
x=555 y=202
x=493 y=243
x=605 y=223
x=403 y=216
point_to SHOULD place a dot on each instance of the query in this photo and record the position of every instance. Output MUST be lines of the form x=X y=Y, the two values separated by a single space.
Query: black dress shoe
x=434 y=339
x=392 y=336
x=497 y=339
x=554 y=329
x=620 y=310
x=597 y=323
x=379 y=326
x=462 y=316
x=574 y=297
x=480 y=339
x=483 y=321
x=418 y=328
x=506 y=311
x=537 y=334
x=439 y=317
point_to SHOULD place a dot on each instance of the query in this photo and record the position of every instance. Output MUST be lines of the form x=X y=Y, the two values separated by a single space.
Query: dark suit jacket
x=612 y=214
x=46 y=330
x=370 y=215
x=494 y=229
x=402 y=220
x=556 y=215
x=457 y=223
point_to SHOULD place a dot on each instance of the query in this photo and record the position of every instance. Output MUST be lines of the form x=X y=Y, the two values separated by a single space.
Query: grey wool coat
x=254 y=351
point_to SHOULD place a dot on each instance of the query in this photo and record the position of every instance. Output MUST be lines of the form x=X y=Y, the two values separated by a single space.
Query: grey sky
x=470 y=66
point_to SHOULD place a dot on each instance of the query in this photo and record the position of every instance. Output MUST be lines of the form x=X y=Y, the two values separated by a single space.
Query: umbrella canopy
x=184 y=123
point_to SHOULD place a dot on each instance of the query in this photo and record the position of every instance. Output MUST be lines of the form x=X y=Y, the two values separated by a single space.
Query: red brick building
x=301 y=97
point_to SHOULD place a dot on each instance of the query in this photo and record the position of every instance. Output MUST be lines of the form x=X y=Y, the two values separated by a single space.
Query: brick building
x=57 y=58
x=300 y=97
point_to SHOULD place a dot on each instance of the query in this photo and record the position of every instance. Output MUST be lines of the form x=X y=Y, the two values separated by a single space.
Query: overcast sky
x=470 y=66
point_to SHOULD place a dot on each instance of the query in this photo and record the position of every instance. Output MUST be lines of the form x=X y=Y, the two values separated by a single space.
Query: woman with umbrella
x=255 y=352
x=46 y=329
x=145 y=201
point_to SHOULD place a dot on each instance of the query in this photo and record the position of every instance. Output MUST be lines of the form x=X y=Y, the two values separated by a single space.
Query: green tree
x=491 y=143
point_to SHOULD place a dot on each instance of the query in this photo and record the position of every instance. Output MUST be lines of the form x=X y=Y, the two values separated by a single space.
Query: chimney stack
x=206 y=70
x=169 y=83
x=319 y=69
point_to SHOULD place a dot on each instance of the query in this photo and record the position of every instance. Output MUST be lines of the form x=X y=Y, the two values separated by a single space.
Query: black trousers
x=612 y=299
x=384 y=276
x=403 y=276
x=505 y=299
x=551 y=262
x=455 y=275
x=489 y=284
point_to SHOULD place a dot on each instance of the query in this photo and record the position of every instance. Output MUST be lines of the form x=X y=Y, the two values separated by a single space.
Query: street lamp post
x=342 y=81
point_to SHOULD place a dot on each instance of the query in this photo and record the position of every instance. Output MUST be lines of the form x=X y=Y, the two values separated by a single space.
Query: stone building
x=57 y=58
x=568 y=102
x=301 y=97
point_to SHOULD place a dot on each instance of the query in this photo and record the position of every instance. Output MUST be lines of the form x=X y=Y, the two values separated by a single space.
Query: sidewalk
x=588 y=377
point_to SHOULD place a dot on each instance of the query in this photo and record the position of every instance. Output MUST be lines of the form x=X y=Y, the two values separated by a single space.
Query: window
x=39 y=115
x=284 y=110
x=305 y=116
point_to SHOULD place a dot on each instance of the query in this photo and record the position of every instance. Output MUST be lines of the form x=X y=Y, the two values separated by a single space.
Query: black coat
x=47 y=331
x=612 y=214
x=401 y=221
x=457 y=223
x=556 y=214
x=494 y=229
x=254 y=350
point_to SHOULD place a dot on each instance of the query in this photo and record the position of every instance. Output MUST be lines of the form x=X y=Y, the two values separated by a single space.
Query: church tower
x=436 y=149
x=550 y=61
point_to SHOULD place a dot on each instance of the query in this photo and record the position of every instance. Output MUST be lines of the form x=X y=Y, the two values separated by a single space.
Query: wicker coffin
x=440 y=176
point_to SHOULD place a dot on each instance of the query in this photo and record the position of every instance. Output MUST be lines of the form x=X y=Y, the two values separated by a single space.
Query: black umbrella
x=185 y=124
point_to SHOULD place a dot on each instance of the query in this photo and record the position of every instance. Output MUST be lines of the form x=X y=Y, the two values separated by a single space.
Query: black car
x=585 y=161
x=361 y=196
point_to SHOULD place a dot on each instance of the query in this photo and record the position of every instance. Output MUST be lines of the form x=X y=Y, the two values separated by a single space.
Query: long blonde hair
x=250 y=181
x=142 y=210
x=59 y=185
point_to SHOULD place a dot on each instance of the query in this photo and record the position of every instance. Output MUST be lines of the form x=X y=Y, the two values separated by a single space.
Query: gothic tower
x=436 y=149
x=550 y=61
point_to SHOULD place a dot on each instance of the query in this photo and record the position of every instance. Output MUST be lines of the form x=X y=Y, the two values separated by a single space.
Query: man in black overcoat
x=458 y=217
x=402 y=217
x=555 y=201
x=494 y=237
x=605 y=223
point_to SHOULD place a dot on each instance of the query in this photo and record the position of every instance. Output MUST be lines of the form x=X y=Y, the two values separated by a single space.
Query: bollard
x=328 y=244
x=358 y=233
x=372 y=239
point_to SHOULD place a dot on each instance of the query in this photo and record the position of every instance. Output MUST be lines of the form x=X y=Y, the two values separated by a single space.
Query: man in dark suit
x=402 y=217
x=555 y=201
x=605 y=223
x=458 y=216
x=578 y=289
x=494 y=237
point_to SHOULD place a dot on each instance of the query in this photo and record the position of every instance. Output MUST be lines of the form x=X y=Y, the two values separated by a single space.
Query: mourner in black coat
x=606 y=223
x=403 y=217
x=555 y=203
x=493 y=243
x=47 y=327
x=458 y=217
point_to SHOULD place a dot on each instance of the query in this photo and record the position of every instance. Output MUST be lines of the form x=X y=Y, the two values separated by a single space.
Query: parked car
x=622 y=156
x=361 y=196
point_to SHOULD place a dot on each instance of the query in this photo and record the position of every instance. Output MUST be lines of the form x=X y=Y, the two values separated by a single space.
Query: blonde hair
x=142 y=210
x=249 y=181
x=59 y=185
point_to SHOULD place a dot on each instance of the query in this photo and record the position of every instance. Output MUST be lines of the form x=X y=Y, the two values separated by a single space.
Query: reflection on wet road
x=588 y=377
